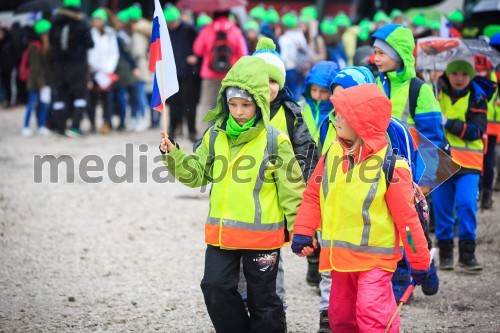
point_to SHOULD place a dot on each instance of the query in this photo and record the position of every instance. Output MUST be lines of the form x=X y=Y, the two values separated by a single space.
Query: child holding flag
x=363 y=241
x=256 y=190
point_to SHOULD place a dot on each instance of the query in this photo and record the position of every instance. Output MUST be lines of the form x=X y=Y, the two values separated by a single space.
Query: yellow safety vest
x=279 y=121
x=358 y=232
x=310 y=120
x=493 y=112
x=244 y=208
x=468 y=154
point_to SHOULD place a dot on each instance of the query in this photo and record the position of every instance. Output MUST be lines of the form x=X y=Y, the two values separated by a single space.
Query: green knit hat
x=203 y=20
x=309 y=12
x=100 y=14
x=266 y=49
x=365 y=24
x=380 y=16
x=327 y=27
x=42 y=26
x=72 y=3
x=419 y=20
x=272 y=16
x=491 y=30
x=258 y=12
x=395 y=13
x=342 y=20
x=251 y=25
x=124 y=15
x=135 y=12
x=460 y=66
x=290 y=20
x=434 y=24
x=364 y=35
x=171 y=14
x=456 y=16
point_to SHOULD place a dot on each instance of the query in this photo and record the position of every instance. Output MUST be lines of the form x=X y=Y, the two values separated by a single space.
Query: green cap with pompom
x=258 y=12
x=41 y=27
x=395 y=13
x=203 y=20
x=327 y=27
x=251 y=25
x=342 y=20
x=272 y=16
x=72 y=3
x=456 y=16
x=309 y=12
x=100 y=13
x=124 y=15
x=419 y=20
x=380 y=16
x=266 y=49
x=135 y=12
x=290 y=20
x=171 y=14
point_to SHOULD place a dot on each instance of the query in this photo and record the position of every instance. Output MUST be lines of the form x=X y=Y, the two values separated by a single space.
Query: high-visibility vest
x=493 y=112
x=358 y=231
x=310 y=120
x=279 y=121
x=331 y=135
x=244 y=208
x=468 y=154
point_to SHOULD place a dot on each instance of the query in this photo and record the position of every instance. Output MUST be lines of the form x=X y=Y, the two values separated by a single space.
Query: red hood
x=368 y=111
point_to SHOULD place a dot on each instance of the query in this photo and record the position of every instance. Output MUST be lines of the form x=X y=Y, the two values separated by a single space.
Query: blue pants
x=457 y=193
x=141 y=100
x=41 y=109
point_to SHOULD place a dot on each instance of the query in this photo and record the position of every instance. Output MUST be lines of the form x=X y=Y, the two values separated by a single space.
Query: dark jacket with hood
x=70 y=36
x=303 y=144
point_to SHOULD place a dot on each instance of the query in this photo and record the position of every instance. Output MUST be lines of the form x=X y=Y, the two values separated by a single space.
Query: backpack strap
x=389 y=165
x=211 y=144
x=290 y=121
x=272 y=143
x=415 y=85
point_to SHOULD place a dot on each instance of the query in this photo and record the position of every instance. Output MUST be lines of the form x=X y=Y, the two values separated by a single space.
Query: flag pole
x=163 y=101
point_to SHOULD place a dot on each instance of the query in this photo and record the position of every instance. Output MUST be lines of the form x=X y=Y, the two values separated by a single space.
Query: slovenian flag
x=161 y=61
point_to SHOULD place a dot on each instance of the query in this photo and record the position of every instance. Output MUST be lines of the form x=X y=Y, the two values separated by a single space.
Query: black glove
x=300 y=242
x=419 y=276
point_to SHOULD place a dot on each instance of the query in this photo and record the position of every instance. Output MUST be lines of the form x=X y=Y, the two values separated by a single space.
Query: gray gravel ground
x=107 y=257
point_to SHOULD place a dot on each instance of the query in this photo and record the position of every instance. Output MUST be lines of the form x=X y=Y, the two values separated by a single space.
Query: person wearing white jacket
x=102 y=60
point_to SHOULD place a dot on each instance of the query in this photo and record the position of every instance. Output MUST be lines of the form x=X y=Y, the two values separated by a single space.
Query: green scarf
x=233 y=129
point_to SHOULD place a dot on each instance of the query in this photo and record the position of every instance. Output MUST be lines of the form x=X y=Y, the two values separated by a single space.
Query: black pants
x=183 y=104
x=224 y=303
x=69 y=84
x=6 y=76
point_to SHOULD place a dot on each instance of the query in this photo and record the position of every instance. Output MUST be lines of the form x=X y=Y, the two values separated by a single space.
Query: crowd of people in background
x=71 y=69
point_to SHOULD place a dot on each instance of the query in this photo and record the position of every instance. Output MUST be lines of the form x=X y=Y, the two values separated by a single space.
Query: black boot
x=467 y=258
x=324 y=322
x=446 y=254
x=487 y=199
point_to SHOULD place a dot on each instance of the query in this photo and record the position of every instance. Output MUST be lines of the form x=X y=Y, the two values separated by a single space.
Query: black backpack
x=221 y=53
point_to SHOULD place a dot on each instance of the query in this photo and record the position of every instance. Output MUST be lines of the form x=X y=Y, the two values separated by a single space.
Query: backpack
x=24 y=66
x=221 y=53
x=421 y=205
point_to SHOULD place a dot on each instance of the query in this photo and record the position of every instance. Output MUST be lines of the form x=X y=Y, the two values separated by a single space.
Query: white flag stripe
x=166 y=72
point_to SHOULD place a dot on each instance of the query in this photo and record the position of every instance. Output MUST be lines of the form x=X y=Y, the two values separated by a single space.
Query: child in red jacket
x=365 y=223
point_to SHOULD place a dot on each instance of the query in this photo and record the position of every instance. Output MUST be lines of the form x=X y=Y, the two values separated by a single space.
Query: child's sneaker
x=401 y=279
x=43 y=131
x=74 y=133
x=26 y=132
x=431 y=285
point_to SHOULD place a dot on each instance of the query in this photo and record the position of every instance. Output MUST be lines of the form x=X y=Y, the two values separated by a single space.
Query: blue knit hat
x=353 y=76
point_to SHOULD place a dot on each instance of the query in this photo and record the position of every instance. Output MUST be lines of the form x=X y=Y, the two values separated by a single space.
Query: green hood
x=400 y=38
x=245 y=74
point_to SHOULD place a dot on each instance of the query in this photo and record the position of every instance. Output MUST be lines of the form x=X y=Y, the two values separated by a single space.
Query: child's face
x=319 y=93
x=241 y=109
x=344 y=130
x=274 y=87
x=383 y=62
x=459 y=80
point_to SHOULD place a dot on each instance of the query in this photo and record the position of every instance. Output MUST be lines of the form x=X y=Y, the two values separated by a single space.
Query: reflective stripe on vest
x=358 y=232
x=468 y=154
x=245 y=215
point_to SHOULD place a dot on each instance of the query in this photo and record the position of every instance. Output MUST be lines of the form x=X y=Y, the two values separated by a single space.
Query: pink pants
x=362 y=302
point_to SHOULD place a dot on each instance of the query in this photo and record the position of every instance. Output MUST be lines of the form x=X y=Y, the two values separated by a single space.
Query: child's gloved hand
x=301 y=243
x=166 y=144
x=419 y=276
